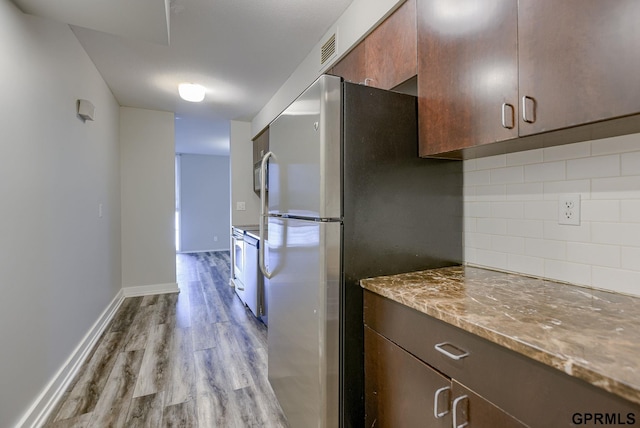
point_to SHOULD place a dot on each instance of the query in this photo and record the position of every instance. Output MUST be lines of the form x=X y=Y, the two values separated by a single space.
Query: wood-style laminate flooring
x=197 y=358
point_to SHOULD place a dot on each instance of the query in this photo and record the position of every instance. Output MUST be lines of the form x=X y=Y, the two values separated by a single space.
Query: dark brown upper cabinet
x=579 y=62
x=387 y=56
x=260 y=148
x=260 y=145
x=467 y=73
x=493 y=70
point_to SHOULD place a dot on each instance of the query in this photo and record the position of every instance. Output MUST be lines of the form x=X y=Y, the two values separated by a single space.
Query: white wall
x=241 y=150
x=59 y=261
x=204 y=203
x=360 y=18
x=511 y=213
x=147 y=173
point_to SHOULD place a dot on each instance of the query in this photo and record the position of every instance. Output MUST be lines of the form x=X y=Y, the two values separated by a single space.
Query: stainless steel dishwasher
x=254 y=283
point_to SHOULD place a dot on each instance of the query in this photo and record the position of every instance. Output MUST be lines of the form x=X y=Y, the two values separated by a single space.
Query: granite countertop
x=590 y=334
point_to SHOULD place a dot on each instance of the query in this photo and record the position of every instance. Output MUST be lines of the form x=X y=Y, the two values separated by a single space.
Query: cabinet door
x=467 y=73
x=469 y=407
x=260 y=145
x=353 y=67
x=391 y=51
x=400 y=390
x=579 y=61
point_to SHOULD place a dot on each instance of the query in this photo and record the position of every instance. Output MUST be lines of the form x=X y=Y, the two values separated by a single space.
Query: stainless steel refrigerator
x=349 y=198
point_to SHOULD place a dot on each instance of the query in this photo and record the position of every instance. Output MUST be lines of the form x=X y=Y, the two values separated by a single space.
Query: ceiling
x=241 y=51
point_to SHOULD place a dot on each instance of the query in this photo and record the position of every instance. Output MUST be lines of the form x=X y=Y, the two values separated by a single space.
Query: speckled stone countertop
x=589 y=334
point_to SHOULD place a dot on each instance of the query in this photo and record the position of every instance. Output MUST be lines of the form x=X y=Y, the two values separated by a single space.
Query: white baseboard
x=46 y=401
x=44 y=404
x=203 y=251
x=146 y=290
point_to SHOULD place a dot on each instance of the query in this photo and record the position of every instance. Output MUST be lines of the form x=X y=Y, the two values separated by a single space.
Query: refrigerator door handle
x=263 y=213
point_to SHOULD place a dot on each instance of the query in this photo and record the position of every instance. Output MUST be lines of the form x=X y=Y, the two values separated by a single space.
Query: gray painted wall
x=59 y=261
x=204 y=202
x=147 y=171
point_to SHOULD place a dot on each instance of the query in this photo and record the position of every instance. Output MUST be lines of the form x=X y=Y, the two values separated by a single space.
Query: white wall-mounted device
x=86 y=110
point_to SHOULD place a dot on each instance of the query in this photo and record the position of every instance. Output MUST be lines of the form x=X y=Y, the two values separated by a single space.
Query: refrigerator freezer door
x=304 y=171
x=303 y=319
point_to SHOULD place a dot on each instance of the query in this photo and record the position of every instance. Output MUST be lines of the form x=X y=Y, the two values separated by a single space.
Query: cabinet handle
x=465 y=411
x=436 y=401
x=460 y=355
x=508 y=120
x=528 y=109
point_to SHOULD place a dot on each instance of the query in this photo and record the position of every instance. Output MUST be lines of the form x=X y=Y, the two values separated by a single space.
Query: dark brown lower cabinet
x=421 y=371
x=402 y=391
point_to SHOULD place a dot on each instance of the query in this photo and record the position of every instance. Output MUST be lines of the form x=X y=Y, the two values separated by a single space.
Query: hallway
x=193 y=359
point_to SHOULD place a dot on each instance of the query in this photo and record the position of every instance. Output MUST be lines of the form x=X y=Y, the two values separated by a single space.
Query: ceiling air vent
x=328 y=49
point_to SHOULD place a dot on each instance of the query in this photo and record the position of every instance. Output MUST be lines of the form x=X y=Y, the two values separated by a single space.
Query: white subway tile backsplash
x=627 y=234
x=593 y=254
x=525 y=264
x=491 y=162
x=542 y=210
x=630 y=258
x=630 y=163
x=525 y=228
x=469 y=224
x=621 y=281
x=599 y=166
x=496 y=192
x=525 y=192
x=507 y=244
x=553 y=189
x=469 y=255
x=492 y=226
x=549 y=171
x=514 y=174
x=477 y=209
x=511 y=213
x=477 y=240
x=567 y=151
x=492 y=259
x=600 y=210
x=575 y=273
x=469 y=193
x=476 y=178
x=630 y=211
x=524 y=158
x=547 y=249
x=619 y=144
x=627 y=187
x=507 y=210
x=563 y=232
x=469 y=165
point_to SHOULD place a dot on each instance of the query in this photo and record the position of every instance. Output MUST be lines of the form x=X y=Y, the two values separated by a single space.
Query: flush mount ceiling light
x=191 y=92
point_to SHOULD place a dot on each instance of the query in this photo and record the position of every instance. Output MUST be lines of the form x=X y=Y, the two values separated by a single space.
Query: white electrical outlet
x=241 y=206
x=569 y=209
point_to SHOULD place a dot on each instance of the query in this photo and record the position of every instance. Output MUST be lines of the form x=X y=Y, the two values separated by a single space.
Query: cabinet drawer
x=534 y=393
x=399 y=388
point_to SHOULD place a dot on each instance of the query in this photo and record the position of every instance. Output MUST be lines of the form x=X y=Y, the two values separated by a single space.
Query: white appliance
x=238 y=261
x=253 y=279
x=348 y=199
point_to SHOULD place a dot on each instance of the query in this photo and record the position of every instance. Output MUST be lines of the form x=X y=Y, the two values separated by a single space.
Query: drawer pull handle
x=464 y=410
x=458 y=356
x=436 y=402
